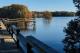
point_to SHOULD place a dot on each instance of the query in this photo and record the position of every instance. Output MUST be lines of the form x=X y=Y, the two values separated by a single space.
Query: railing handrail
x=43 y=48
x=7 y=20
x=33 y=42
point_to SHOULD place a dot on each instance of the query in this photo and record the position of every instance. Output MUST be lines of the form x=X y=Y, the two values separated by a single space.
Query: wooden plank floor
x=2 y=26
x=7 y=44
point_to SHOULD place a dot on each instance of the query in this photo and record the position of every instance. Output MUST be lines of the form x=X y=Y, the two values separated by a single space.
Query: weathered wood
x=20 y=39
x=2 y=27
x=7 y=43
x=18 y=20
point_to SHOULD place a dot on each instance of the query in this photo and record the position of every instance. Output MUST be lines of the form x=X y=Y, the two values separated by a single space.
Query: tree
x=47 y=14
x=72 y=34
x=15 y=11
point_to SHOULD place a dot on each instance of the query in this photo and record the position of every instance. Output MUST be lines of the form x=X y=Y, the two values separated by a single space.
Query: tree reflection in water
x=47 y=21
x=72 y=39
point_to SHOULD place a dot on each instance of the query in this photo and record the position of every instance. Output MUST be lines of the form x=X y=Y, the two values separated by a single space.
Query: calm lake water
x=50 y=31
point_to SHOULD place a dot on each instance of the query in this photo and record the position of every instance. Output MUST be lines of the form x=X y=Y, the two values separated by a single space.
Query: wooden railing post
x=29 y=48
x=14 y=32
x=18 y=31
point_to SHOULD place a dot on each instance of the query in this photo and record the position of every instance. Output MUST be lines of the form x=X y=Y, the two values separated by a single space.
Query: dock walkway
x=12 y=41
x=7 y=44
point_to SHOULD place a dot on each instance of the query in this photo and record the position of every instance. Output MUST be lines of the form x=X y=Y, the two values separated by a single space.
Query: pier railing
x=19 y=20
x=27 y=44
x=22 y=23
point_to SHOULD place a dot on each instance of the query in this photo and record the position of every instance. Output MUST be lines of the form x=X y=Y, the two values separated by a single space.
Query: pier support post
x=29 y=48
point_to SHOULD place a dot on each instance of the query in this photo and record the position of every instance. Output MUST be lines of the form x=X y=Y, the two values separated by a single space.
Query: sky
x=43 y=5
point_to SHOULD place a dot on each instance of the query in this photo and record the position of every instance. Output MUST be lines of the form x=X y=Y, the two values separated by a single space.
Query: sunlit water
x=51 y=33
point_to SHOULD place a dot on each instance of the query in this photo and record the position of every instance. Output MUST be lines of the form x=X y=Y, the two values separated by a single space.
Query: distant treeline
x=21 y=11
x=63 y=13
x=54 y=14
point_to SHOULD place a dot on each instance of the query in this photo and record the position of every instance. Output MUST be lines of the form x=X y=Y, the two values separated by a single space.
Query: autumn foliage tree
x=15 y=11
x=47 y=14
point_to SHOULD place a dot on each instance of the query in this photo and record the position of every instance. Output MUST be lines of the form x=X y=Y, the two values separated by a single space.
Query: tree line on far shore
x=63 y=13
x=54 y=14
x=21 y=11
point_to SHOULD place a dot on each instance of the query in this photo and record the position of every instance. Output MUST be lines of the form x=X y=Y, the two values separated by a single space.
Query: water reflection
x=47 y=21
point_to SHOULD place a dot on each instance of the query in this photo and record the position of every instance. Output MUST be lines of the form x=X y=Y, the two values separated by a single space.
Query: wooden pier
x=12 y=41
x=21 y=23
x=7 y=44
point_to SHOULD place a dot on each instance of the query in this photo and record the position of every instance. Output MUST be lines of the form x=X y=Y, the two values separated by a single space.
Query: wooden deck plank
x=2 y=26
x=5 y=36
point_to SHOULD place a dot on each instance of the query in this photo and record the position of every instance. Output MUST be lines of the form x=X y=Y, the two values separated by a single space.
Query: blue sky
x=43 y=5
